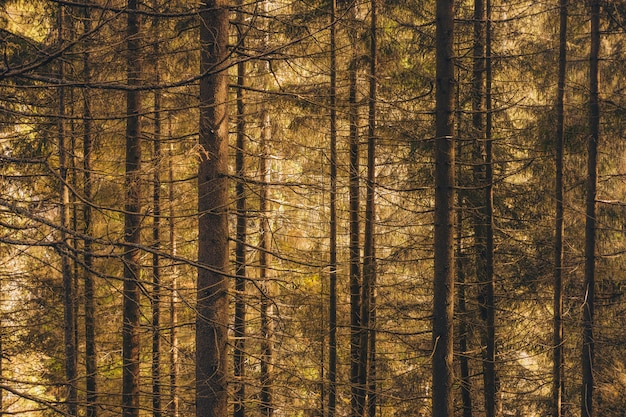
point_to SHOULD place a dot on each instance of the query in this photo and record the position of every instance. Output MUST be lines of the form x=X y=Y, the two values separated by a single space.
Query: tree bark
x=69 y=298
x=156 y=234
x=368 y=357
x=588 y=350
x=240 y=246
x=174 y=404
x=357 y=393
x=90 y=306
x=558 y=362
x=132 y=222
x=443 y=297
x=332 y=302
x=212 y=287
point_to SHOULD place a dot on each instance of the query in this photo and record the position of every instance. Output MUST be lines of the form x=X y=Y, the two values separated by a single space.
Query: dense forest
x=364 y=208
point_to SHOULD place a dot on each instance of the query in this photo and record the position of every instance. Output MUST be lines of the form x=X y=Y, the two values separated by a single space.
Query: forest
x=312 y=208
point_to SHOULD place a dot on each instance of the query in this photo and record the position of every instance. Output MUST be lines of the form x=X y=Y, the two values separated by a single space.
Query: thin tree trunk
x=558 y=362
x=156 y=235
x=588 y=350
x=332 y=302
x=90 y=315
x=174 y=404
x=69 y=300
x=368 y=357
x=443 y=297
x=212 y=286
x=240 y=246
x=132 y=223
x=357 y=393
x=267 y=406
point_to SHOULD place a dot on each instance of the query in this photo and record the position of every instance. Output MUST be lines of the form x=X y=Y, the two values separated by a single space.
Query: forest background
x=312 y=208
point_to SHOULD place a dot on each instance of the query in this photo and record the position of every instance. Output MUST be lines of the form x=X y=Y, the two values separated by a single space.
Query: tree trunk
x=588 y=350
x=332 y=302
x=443 y=297
x=357 y=393
x=240 y=246
x=212 y=287
x=558 y=362
x=90 y=306
x=132 y=222
x=368 y=357
x=174 y=405
x=156 y=235
x=69 y=300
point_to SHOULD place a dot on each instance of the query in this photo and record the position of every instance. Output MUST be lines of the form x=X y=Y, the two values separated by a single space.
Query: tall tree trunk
x=466 y=382
x=212 y=286
x=267 y=407
x=174 y=403
x=558 y=362
x=242 y=225
x=588 y=350
x=357 y=393
x=443 y=297
x=90 y=314
x=69 y=299
x=156 y=234
x=132 y=222
x=332 y=302
x=484 y=182
x=368 y=356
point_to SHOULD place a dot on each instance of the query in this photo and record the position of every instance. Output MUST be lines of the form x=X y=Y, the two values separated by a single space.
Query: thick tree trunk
x=212 y=286
x=443 y=297
x=69 y=299
x=132 y=223
x=240 y=246
x=558 y=362
x=588 y=350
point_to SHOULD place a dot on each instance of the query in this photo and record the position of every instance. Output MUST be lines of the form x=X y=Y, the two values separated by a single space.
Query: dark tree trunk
x=69 y=299
x=558 y=362
x=156 y=235
x=357 y=393
x=588 y=350
x=174 y=405
x=132 y=223
x=368 y=357
x=212 y=286
x=332 y=302
x=443 y=297
x=240 y=246
x=90 y=307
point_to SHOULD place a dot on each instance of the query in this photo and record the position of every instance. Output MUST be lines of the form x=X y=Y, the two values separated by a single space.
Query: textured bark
x=357 y=393
x=483 y=200
x=155 y=303
x=443 y=296
x=69 y=298
x=558 y=362
x=174 y=402
x=588 y=350
x=240 y=246
x=132 y=223
x=368 y=357
x=332 y=302
x=212 y=286
x=89 y=294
